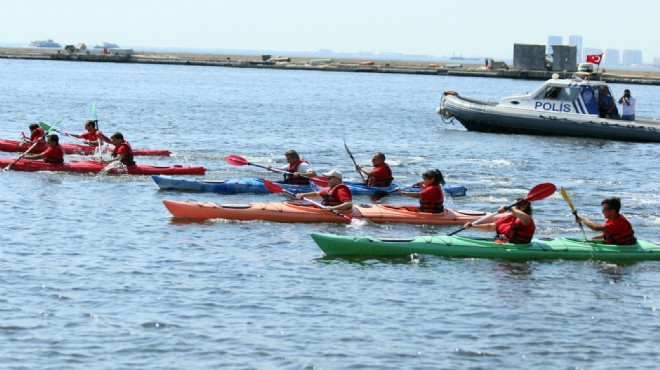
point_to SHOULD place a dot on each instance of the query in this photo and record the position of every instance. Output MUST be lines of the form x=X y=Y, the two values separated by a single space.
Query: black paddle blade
x=379 y=194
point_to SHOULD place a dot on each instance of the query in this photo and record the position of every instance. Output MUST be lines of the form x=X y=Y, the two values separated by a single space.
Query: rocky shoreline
x=334 y=65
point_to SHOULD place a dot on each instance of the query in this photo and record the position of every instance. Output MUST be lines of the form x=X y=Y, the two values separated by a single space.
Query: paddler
x=380 y=175
x=53 y=153
x=616 y=229
x=337 y=196
x=36 y=135
x=300 y=170
x=90 y=137
x=431 y=198
x=122 y=151
x=516 y=228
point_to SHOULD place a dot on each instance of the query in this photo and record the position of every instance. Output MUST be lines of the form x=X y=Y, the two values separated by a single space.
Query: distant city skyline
x=470 y=28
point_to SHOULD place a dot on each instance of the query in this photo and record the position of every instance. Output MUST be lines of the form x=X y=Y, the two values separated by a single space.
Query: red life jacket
x=512 y=230
x=436 y=203
x=54 y=154
x=127 y=160
x=622 y=235
x=330 y=198
x=385 y=178
x=295 y=180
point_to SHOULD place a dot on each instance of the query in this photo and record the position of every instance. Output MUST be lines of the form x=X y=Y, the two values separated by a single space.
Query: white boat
x=45 y=44
x=572 y=112
x=106 y=45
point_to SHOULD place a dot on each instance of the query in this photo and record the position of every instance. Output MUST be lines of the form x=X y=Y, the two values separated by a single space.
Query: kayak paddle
x=30 y=148
x=540 y=191
x=236 y=160
x=353 y=159
x=47 y=127
x=274 y=188
x=564 y=194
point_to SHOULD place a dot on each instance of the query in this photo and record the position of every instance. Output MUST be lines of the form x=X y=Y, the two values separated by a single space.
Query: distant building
x=611 y=57
x=553 y=40
x=656 y=61
x=631 y=57
x=576 y=40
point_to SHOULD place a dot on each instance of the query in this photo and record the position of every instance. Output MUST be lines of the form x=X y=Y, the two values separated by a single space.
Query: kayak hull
x=358 y=188
x=228 y=186
x=13 y=146
x=306 y=212
x=463 y=247
x=28 y=165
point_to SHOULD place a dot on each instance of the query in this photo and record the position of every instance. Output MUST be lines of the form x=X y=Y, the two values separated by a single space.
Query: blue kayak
x=358 y=188
x=228 y=186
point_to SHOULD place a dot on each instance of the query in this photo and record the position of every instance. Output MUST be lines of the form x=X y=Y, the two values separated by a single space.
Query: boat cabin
x=577 y=95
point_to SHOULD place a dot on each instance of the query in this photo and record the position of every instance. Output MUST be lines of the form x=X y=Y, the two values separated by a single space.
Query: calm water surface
x=95 y=274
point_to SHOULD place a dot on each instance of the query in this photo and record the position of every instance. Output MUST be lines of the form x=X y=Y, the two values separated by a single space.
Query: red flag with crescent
x=594 y=58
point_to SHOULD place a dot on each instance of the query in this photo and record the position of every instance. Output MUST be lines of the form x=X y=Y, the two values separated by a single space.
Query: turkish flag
x=594 y=58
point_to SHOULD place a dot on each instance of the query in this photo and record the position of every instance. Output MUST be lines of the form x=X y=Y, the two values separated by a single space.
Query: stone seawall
x=330 y=65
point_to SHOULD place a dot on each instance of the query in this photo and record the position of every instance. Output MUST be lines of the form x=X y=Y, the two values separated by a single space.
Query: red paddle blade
x=541 y=191
x=235 y=160
x=320 y=181
x=272 y=187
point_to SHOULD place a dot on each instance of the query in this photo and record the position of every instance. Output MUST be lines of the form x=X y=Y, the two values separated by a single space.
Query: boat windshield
x=562 y=93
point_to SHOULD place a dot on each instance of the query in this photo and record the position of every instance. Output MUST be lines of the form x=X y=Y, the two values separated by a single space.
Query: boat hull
x=462 y=247
x=489 y=117
x=28 y=165
x=306 y=212
x=14 y=146
x=358 y=188
x=228 y=186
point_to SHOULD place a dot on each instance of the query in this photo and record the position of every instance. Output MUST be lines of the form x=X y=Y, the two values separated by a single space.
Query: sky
x=468 y=28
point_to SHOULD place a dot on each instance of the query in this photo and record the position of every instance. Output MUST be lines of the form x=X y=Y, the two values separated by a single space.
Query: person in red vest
x=122 y=152
x=36 y=136
x=52 y=154
x=90 y=137
x=616 y=229
x=337 y=196
x=516 y=228
x=431 y=198
x=380 y=175
x=300 y=170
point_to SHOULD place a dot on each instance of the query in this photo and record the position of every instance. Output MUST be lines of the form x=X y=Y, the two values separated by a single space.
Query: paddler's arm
x=102 y=136
x=347 y=205
x=411 y=194
x=365 y=170
x=314 y=194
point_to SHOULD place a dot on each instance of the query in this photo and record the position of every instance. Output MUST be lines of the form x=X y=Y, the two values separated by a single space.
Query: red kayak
x=20 y=147
x=29 y=165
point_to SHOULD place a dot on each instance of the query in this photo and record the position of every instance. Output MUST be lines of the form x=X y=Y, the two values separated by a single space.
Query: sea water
x=96 y=274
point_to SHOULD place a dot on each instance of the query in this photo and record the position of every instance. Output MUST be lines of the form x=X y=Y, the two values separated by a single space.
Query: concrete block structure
x=564 y=57
x=526 y=56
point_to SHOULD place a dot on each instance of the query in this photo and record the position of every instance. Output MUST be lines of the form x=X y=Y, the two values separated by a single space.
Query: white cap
x=333 y=173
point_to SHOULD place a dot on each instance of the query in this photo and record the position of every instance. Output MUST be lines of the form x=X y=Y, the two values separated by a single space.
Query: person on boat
x=627 y=102
x=616 y=229
x=300 y=169
x=337 y=196
x=606 y=104
x=90 y=137
x=36 y=136
x=53 y=153
x=380 y=175
x=122 y=151
x=516 y=228
x=553 y=94
x=431 y=198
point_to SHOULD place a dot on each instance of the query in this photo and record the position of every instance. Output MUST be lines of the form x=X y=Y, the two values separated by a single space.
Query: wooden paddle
x=564 y=195
x=353 y=159
x=274 y=188
x=236 y=160
x=540 y=191
x=29 y=149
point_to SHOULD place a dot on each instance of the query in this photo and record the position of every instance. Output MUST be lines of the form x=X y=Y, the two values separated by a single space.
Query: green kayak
x=464 y=247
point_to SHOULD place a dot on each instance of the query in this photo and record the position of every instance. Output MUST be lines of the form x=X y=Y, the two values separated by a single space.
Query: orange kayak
x=306 y=212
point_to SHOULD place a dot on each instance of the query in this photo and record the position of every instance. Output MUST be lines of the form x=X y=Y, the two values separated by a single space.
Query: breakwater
x=329 y=65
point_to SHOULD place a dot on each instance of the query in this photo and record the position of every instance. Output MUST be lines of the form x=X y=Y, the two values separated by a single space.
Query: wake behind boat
x=464 y=247
x=561 y=107
x=14 y=146
x=306 y=212
x=29 y=165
